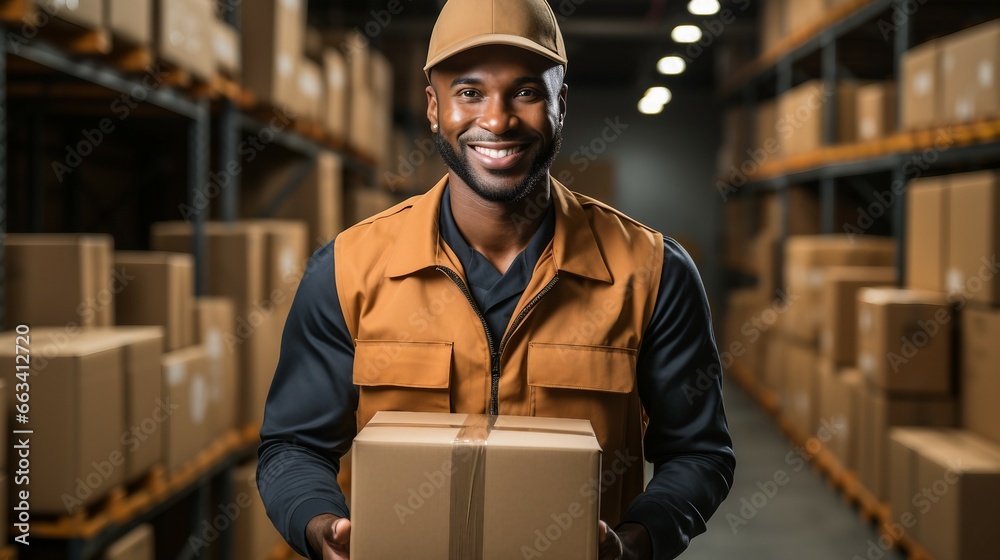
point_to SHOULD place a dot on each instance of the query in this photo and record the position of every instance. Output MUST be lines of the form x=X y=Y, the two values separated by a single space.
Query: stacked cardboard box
x=158 y=289
x=980 y=376
x=257 y=264
x=85 y=14
x=974 y=237
x=370 y=84
x=772 y=27
x=838 y=327
x=800 y=116
x=945 y=485
x=185 y=386
x=921 y=96
x=131 y=21
x=335 y=82
x=272 y=39
x=876 y=111
x=215 y=325
x=226 y=49
x=840 y=412
x=182 y=35
x=969 y=68
x=800 y=14
x=927 y=235
x=60 y=280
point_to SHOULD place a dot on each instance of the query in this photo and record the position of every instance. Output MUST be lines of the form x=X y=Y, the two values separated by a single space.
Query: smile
x=499 y=153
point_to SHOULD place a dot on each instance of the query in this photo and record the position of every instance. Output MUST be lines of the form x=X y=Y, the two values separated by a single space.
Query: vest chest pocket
x=401 y=375
x=589 y=382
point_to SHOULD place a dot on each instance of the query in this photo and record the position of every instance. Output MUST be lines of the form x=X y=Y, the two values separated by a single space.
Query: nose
x=498 y=116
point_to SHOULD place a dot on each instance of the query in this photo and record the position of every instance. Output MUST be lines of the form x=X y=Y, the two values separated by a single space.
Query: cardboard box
x=85 y=13
x=921 y=97
x=801 y=401
x=183 y=35
x=904 y=340
x=974 y=237
x=800 y=116
x=285 y=256
x=876 y=105
x=980 y=375
x=800 y=14
x=273 y=37
x=185 y=385
x=137 y=544
x=215 y=323
x=309 y=79
x=906 y=503
x=363 y=203
x=160 y=291
x=772 y=28
x=970 y=62
x=963 y=473
x=60 y=280
x=803 y=214
x=226 y=48
x=131 y=20
x=835 y=410
x=357 y=52
x=853 y=383
x=318 y=200
x=142 y=348
x=548 y=462
x=254 y=536
x=766 y=130
x=4 y=527
x=3 y=422
x=839 y=319
x=807 y=258
x=927 y=233
x=78 y=398
x=879 y=413
x=335 y=107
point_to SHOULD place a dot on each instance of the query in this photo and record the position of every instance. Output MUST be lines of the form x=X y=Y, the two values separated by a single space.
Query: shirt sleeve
x=680 y=385
x=309 y=420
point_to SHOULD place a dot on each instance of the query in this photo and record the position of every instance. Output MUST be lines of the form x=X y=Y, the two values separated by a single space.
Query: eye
x=529 y=93
x=469 y=94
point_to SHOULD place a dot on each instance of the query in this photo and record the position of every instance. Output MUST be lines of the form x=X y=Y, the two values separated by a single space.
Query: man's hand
x=331 y=536
x=631 y=542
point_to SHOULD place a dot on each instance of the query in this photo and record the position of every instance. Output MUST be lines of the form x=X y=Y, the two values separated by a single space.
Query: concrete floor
x=801 y=519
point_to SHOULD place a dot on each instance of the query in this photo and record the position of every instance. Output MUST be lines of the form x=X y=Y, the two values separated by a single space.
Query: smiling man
x=467 y=299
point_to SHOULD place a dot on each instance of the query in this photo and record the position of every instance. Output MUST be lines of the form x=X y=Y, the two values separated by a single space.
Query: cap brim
x=492 y=39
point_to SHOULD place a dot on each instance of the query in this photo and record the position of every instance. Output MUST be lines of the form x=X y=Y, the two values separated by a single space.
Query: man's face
x=500 y=112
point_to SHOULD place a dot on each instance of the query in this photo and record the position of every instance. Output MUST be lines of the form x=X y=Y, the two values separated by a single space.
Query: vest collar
x=574 y=246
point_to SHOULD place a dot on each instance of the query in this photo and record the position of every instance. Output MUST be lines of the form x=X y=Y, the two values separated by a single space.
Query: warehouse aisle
x=779 y=508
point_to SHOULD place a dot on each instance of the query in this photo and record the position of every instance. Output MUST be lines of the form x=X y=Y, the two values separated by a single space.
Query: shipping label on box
x=456 y=485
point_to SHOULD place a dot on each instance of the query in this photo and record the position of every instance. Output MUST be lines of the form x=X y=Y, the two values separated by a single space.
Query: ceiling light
x=659 y=94
x=649 y=106
x=671 y=65
x=704 y=7
x=686 y=34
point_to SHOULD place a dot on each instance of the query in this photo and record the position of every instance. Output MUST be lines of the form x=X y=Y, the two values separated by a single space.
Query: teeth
x=498 y=153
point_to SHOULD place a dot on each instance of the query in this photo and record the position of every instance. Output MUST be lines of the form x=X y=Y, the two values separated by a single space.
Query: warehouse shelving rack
x=970 y=145
x=899 y=158
x=208 y=477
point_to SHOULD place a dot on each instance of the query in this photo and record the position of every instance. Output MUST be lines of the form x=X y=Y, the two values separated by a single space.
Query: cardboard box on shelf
x=876 y=114
x=904 y=340
x=272 y=40
x=739 y=336
x=879 y=413
x=800 y=116
x=182 y=35
x=766 y=136
x=335 y=106
x=3 y=424
x=310 y=92
x=159 y=291
x=254 y=536
x=772 y=28
x=226 y=48
x=807 y=257
x=969 y=66
x=835 y=410
x=286 y=248
x=853 y=383
x=974 y=237
x=906 y=505
x=85 y=13
x=185 y=386
x=839 y=320
x=545 y=461
x=803 y=212
x=3 y=514
x=800 y=14
x=60 y=280
x=137 y=544
x=800 y=402
x=362 y=203
x=215 y=325
x=960 y=525
x=921 y=96
x=131 y=20
x=318 y=200
x=85 y=424
x=980 y=376
x=927 y=233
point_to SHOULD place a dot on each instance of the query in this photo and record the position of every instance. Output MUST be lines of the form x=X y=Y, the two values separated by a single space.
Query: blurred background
x=167 y=167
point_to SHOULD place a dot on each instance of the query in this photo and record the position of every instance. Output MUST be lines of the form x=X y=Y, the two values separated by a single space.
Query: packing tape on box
x=468 y=478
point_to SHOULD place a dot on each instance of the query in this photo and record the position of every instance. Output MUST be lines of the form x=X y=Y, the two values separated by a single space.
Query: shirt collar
x=574 y=246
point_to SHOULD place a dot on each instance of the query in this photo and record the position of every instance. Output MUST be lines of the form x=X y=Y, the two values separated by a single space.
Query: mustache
x=481 y=136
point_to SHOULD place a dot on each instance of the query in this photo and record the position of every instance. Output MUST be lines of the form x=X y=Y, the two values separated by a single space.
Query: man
x=501 y=292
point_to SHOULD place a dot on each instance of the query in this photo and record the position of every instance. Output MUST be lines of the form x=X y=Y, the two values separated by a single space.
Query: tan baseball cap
x=465 y=24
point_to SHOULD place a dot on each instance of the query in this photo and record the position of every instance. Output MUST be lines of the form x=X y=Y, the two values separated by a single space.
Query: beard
x=504 y=193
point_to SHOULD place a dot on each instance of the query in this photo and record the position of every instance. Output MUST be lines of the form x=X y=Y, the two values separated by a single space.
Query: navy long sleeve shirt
x=309 y=419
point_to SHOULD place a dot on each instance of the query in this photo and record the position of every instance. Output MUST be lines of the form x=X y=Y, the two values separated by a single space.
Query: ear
x=432 y=105
x=563 y=93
